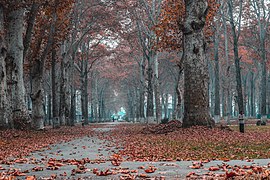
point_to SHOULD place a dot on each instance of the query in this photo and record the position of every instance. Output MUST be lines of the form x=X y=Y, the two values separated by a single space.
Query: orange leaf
x=213 y=168
x=30 y=178
x=231 y=174
x=150 y=169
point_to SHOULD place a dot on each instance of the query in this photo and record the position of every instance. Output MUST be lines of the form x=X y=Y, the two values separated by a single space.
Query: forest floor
x=129 y=151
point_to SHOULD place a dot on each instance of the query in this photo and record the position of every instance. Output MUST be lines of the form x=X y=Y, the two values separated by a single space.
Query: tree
x=15 y=80
x=236 y=29
x=151 y=12
x=260 y=10
x=3 y=78
x=186 y=25
x=196 y=106
x=49 y=31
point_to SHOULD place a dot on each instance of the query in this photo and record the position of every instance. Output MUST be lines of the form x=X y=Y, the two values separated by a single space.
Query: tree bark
x=177 y=105
x=142 y=89
x=86 y=113
x=3 y=78
x=166 y=113
x=157 y=93
x=264 y=75
x=217 y=85
x=95 y=99
x=72 y=114
x=15 y=68
x=261 y=11
x=240 y=101
x=84 y=89
x=55 y=106
x=64 y=85
x=62 y=93
x=49 y=109
x=37 y=95
x=30 y=27
x=137 y=113
x=37 y=71
x=150 y=94
x=196 y=100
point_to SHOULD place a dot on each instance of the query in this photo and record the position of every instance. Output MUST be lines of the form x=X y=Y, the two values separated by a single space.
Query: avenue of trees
x=194 y=60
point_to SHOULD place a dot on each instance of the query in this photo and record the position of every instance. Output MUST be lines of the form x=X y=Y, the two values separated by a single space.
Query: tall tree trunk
x=130 y=108
x=142 y=89
x=49 y=108
x=163 y=105
x=137 y=91
x=157 y=93
x=55 y=104
x=217 y=85
x=68 y=93
x=150 y=94
x=174 y=100
x=82 y=89
x=100 y=105
x=96 y=100
x=37 y=95
x=72 y=112
x=15 y=68
x=92 y=97
x=211 y=87
x=166 y=113
x=228 y=105
x=223 y=101
x=268 y=93
x=37 y=71
x=196 y=100
x=134 y=104
x=240 y=101
x=235 y=35
x=30 y=26
x=3 y=78
x=245 y=93
x=85 y=92
x=63 y=87
x=103 y=108
x=263 y=79
x=177 y=107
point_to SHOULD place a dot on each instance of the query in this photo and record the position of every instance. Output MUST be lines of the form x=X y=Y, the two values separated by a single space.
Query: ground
x=127 y=151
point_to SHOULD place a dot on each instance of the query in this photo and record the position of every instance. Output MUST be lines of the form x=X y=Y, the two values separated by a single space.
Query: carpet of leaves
x=235 y=172
x=198 y=143
x=168 y=142
x=16 y=143
x=193 y=143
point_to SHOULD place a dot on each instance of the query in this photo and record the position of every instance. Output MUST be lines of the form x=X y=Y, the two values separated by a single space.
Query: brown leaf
x=30 y=178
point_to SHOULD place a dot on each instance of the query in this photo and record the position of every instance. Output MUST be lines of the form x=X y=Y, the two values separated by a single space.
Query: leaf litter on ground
x=160 y=143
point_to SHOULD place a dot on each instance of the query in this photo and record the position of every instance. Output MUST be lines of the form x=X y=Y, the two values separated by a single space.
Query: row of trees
x=48 y=50
x=236 y=33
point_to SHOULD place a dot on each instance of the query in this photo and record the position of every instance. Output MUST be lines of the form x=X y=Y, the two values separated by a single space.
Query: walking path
x=78 y=158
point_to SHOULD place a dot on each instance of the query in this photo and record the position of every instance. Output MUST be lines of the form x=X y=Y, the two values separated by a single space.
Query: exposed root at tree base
x=162 y=128
x=172 y=126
